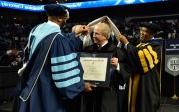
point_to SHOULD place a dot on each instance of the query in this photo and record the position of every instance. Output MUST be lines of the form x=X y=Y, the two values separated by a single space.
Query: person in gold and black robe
x=144 y=86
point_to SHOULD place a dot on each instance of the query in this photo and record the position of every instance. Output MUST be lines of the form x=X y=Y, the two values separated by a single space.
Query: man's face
x=98 y=36
x=145 y=34
x=65 y=18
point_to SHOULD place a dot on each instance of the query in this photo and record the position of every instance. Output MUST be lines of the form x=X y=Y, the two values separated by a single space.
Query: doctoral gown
x=144 y=87
x=52 y=87
x=105 y=99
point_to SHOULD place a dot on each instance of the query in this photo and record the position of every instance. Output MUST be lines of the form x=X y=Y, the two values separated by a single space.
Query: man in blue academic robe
x=53 y=76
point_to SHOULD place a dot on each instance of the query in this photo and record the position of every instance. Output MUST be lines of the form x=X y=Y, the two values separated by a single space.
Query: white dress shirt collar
x=104 y=43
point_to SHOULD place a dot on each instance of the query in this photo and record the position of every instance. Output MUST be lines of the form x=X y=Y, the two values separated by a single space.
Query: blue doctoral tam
x=55 y=9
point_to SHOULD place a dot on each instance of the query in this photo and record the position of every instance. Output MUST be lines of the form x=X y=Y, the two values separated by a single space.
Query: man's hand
x=123 y=39
x=80 y=29
x=88 y=87
x=114 y=62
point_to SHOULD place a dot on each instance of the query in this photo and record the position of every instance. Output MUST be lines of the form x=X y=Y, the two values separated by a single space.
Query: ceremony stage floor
x=167 y=105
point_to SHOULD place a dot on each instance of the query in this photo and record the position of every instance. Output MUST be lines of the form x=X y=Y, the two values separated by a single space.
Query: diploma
x=96 y=68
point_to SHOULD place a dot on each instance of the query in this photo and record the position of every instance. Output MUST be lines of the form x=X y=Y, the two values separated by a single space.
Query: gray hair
x=105 y=29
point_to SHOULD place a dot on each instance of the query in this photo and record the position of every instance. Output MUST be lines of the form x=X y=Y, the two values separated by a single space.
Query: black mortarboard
x=152 y=26
x=55 y=9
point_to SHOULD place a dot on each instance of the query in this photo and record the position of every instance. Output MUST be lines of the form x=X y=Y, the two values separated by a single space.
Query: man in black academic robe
x=144 y=89
x=106 y=99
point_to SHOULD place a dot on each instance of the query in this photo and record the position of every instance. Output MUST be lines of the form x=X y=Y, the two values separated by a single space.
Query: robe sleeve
x=125 y=69
x=76 y=41
x=133 y=58
x=124 y=72
x=66 y=69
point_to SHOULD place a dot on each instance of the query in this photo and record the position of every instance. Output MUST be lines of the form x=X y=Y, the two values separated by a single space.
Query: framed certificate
x=96 y=68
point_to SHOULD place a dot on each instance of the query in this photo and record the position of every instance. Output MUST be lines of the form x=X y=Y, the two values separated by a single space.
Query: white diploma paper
x=94 y=68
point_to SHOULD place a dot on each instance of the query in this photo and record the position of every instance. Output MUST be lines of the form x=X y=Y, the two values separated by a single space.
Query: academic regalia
x=59 y=81
x=121 y=79
x=104 y=99
x=144 y=89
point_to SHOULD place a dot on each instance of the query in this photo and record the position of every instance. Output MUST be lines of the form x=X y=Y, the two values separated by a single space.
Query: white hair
x=105 y=29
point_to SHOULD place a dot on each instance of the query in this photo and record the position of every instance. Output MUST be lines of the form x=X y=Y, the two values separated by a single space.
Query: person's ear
x=59 y=19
